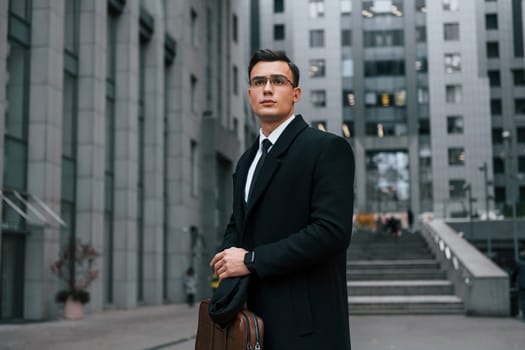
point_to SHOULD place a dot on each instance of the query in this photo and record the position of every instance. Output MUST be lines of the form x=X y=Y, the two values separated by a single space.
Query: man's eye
x=278 y=81
x=259 y=82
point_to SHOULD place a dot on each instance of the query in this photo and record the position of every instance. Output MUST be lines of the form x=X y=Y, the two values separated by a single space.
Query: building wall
x=155 y=144
x=474 y=106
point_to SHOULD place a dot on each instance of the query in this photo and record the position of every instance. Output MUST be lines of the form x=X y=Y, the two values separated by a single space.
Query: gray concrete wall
x=91 y=135
x=126 y=158
x=44 y=153
x=481 y=284
x=494 y=229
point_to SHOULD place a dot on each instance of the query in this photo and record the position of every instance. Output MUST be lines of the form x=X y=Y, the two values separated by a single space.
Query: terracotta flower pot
x=73 y=310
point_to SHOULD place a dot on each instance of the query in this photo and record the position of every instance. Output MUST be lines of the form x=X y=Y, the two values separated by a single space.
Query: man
x=519 y=276
x=292 y=220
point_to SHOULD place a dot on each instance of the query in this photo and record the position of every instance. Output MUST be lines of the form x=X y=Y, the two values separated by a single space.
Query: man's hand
x=229 y=263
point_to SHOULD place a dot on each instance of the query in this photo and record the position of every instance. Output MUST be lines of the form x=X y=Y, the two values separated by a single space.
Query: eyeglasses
x=275 y=80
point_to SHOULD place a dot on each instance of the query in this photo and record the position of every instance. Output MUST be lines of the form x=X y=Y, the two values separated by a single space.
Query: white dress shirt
x=273 y=137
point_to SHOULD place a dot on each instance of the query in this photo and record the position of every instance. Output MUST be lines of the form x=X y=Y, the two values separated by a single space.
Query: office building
x=121 y=122
x=407 y=83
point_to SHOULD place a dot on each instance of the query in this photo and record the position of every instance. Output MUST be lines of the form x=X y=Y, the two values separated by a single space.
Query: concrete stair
x=397 y=275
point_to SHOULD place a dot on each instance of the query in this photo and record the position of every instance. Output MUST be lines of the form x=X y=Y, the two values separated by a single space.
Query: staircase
x=397 y=275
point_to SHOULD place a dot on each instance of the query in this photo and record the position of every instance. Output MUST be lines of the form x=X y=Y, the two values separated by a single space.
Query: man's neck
x=268 y=126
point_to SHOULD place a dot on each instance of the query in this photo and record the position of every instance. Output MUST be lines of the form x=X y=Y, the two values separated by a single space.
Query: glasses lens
x=278 y=80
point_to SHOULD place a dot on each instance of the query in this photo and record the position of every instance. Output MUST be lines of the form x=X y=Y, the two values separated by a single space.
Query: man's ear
x=297 y=94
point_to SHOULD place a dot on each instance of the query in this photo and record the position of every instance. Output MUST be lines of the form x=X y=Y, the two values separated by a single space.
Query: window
x=498 y=164
x=497 y=136
x=491 y=21
x=346 y=37
x=455 y=124
x=495 y=106
x=456 y=188
x=520 y=134
x=370 y=99
x=519 y=106
x=517 y=28
x=346 y=7
x=499 y=194
x=348 y=67
x=451 y=31
x=422 y=95
x=278 y=6
x=450 y=5
x=421 y=34
x=278 y=32
x=456 y=156
x=193 y=93
x=348 y=98
x=452 y=62
x=423 y=127
x=494 y=78
x=193 y=26
x=384 y=68
x=194 y=169
x=492 y=49
x=319 y=124
x=316 y=8
x=317 y=38
x=348 y=129
x=382 y=38
x=317 y=68
x=454 y=93
x=521 y=164
x=235 y=80
x=421 y=6
x=421 y=65
x=518 y=76
x=318 y=98
x=235 y=26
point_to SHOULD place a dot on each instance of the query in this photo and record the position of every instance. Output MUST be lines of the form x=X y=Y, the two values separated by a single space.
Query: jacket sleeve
x=329 y=229
x=231 y=236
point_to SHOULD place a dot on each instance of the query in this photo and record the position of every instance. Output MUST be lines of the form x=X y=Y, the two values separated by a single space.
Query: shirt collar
x=274 y=135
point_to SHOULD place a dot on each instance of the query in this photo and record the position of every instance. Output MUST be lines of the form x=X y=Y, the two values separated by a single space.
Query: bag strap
x=248 y=331
x=256 y=326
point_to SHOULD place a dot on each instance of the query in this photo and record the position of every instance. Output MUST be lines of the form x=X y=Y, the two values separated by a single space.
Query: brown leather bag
x=244 y=332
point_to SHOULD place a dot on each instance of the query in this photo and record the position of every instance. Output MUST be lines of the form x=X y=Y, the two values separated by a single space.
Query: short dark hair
x=267 y=55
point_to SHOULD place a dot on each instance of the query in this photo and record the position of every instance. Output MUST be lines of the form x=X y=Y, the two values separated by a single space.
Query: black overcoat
x=299 y=222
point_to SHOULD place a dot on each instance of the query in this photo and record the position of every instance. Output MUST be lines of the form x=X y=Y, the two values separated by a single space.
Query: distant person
x=410 y=219
x=519 y=277
x=190 y=286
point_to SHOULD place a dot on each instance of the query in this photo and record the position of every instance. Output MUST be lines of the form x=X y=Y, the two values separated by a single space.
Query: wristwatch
x=249 y=260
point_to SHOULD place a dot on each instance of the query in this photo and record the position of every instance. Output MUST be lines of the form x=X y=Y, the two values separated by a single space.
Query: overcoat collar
x=272 y=161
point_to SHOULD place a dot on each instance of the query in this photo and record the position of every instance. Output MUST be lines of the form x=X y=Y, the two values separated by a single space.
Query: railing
x=481 y=284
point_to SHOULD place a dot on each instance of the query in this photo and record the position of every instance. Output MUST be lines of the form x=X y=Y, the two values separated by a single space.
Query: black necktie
x=265 y=146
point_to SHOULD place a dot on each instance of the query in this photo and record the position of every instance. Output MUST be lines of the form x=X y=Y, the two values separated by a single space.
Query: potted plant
x=76 y=269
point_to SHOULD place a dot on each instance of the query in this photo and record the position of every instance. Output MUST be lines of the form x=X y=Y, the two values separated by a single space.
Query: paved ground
x=173 y=327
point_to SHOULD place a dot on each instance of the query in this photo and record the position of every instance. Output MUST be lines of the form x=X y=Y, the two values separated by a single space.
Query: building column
x=126 y=158
x=178 y=227
x=91 y=135
x=154 y=161
x=44 y=154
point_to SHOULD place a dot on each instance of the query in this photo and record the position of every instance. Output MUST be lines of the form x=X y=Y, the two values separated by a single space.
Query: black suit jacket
x=299 y=222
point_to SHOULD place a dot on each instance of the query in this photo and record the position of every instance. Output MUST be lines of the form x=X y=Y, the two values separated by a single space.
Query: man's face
x=273 y=97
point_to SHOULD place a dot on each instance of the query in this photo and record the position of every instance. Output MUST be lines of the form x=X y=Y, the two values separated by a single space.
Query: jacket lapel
x=273 y=159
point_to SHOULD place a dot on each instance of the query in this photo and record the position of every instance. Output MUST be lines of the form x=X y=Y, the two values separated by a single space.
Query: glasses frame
x=269 y=78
